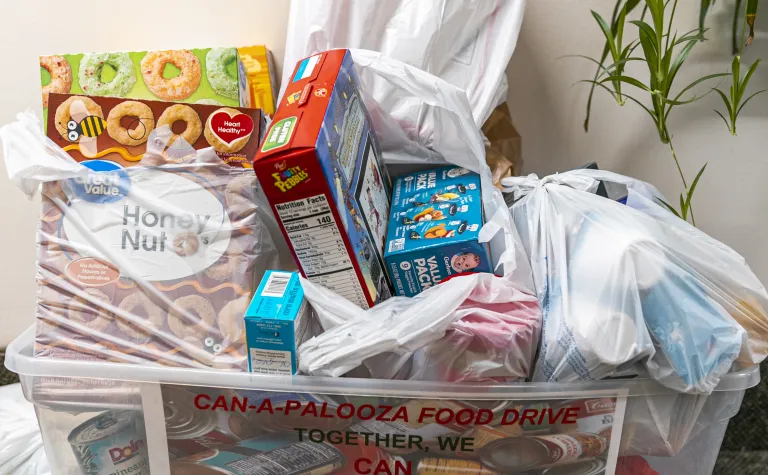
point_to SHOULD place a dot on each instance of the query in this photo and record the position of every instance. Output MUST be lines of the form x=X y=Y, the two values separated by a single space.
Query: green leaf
x=608 y=35
x=669 y=207
x=693 y=186
x=656 y=7
x=650 y=112
x=697 y=82
x=626 y=79
x=745 y=82
x=735 y=44
x=683 y=208
x=703 y=10
x=748 y=99
x=726 y=101
x=751 y=15
x=620 y=27
x=724 y=120
x=677 y=64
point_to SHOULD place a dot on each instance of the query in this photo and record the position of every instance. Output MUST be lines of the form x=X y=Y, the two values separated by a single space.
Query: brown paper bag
x=504 y=153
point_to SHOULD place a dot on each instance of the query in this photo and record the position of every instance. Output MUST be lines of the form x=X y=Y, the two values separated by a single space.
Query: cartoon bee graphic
x=82 y=129
x=91 y=126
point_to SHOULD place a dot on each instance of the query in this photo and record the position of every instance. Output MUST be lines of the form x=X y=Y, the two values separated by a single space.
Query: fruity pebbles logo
x=286 y=178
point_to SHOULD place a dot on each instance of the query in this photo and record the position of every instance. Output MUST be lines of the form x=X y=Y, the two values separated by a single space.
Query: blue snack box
x=421 y=251
x=432 y=212
x=277 y=322
x=444 y=184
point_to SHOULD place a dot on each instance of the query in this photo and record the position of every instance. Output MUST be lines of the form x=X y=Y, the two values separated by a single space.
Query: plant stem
x=682 y=177
x=735 y=47
x=677 y=162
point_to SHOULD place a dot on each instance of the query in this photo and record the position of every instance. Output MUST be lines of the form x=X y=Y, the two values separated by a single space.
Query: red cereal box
x=321 y=169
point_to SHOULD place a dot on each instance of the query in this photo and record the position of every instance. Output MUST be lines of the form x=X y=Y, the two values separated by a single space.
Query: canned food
x=112 y=442
x=584 y=467
x=523 y=453
x=308 y=415
x=595 y=416
x=191 y=430
x=302 y=458
x=526 y=419
x=445 y=466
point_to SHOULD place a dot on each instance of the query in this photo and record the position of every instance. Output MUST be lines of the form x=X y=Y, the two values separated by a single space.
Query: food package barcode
x=396 y=245
x=276 y=284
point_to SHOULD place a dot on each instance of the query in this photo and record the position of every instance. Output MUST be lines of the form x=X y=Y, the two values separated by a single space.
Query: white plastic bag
x=620 y=285
x=470 y=328
x=465 y=42
x=402 y=326
x=21 y=445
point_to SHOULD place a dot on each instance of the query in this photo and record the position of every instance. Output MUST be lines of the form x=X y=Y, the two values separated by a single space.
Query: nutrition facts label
x=319 y=245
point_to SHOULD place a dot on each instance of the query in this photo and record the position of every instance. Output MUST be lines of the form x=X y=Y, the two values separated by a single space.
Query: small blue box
x=433 y=229
x=277 y=322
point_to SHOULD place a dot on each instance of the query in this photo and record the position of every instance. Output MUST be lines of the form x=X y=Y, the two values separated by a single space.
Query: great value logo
x=121 y=454
x=105 y=182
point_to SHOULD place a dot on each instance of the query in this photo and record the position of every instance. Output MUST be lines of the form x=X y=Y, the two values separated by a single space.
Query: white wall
x=29 y=29
x=547 y=107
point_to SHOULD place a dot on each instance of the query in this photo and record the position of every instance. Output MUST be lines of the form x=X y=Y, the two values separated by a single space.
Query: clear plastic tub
x=675 y=434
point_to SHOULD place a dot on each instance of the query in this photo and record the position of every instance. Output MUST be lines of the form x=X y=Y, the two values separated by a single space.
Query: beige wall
x=29 y=29
x=547 y=107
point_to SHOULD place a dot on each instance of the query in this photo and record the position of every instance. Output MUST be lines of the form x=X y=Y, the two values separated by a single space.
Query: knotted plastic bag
x=470 y=328
x=633 y=284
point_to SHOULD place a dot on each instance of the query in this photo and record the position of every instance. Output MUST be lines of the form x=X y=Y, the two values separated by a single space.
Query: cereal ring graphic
x=202 y=316
x=141 y=126
x=240 y=196
x=63 y=115
x=216 y=62
x=186 y=244
x=92 y=66
x=217 y=143
x=186 y=114
x=209 y=102
x=223 y=269
x=173 y=89
x=50 y=211
x=231 y=321
x=85 y=309
x=140 y=306
x=61 y=75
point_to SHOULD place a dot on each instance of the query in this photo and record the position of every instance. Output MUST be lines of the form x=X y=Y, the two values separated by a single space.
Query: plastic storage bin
x=118 y=419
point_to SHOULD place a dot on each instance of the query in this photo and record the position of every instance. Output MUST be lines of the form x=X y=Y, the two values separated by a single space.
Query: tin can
x=446 y=466
x=584 y=467
x=525 y=427
x=112 y=442
x=313 y=414
x=302 y=458
x=524 y=453
x=191 y=430
x=595 y=416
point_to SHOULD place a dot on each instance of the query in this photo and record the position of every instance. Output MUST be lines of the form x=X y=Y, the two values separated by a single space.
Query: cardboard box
x=434 y=228
x=320 y=167
x=240 y=77
x=121 y=137
x=277 y=322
